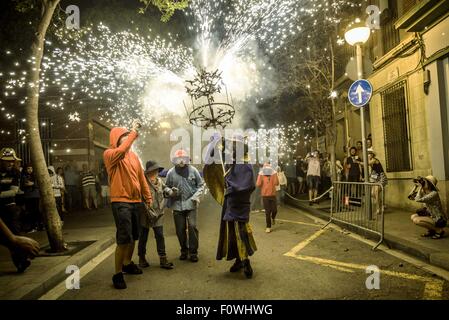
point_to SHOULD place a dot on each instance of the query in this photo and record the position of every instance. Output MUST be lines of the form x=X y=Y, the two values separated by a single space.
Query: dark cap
x=152 y=166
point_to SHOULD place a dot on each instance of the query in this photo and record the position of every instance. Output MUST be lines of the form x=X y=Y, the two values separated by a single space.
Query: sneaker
x=119 y=281
x=143 y=263
x=165 y=264
x=247 y=269
x=268 y=230
x=194 y=258
x=237 y=266
x=183 y=256
x=22 y=265
x=131 y=269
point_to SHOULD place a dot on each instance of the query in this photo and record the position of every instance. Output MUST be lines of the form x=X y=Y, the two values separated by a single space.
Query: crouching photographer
x=431 y=216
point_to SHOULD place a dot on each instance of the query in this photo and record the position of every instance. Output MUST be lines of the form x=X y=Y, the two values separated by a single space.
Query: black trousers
x=187 y=231
x=271 y=209
x=160 y=241
x=34 y=216
x=59 y=207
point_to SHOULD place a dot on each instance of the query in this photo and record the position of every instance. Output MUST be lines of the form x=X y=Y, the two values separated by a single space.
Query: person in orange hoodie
x=267 y=181
x=128 y=188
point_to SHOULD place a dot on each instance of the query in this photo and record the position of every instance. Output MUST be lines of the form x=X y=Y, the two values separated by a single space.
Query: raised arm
x=424 y=198
x=113 y=155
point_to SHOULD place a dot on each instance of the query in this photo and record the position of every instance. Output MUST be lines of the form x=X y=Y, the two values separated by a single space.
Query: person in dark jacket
x=32 y=198
x=9 y=211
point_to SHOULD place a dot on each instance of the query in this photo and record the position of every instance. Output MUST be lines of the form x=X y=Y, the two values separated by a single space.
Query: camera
x=419 y=180
x=171 y=192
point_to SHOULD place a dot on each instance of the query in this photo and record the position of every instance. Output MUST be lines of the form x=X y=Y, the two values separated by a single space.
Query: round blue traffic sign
x=360 y=93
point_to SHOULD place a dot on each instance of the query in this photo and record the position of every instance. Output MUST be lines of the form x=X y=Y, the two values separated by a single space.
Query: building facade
x=408 y=115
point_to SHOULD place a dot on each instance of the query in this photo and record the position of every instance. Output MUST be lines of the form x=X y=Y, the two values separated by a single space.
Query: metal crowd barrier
x=360 y=205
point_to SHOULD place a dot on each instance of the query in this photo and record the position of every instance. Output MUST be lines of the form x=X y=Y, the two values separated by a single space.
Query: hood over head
x=115 y=135
x=52 y=169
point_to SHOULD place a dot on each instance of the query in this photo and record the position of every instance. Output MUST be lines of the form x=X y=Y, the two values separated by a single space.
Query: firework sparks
x=144 y=76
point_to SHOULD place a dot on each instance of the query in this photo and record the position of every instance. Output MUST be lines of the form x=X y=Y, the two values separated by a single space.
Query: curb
x=55 y=275
x=433 y=257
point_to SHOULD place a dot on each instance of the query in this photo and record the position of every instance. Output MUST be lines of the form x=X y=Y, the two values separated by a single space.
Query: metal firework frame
x=208 y=113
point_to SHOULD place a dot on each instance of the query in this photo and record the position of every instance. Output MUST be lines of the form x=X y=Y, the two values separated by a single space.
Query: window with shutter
x=396 y=129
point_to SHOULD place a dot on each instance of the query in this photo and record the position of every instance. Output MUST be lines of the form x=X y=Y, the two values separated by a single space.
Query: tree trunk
x=50 y=213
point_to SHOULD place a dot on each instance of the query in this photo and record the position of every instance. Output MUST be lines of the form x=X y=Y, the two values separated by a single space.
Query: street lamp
x=357 y=35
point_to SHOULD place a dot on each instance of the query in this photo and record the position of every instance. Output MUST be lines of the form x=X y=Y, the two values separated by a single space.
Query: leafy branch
x=166 y=7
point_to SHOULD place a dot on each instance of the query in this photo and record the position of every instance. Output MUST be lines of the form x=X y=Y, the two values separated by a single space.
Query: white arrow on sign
x=359 y=92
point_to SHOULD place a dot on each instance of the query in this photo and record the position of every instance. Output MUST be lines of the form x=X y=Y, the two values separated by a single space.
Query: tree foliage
x=166 y=7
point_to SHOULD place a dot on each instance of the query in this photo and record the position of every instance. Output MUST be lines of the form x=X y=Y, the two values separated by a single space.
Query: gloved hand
x=196 y=202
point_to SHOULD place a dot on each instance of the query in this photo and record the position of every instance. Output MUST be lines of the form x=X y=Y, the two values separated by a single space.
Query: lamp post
x=357 y=35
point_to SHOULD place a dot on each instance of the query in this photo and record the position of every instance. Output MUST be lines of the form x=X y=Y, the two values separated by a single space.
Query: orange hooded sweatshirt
x=268 y=185
x=126 y=177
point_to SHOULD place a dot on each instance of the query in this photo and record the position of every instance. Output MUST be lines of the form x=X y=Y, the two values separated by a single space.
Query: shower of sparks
x=124 y=75
x=288 y=138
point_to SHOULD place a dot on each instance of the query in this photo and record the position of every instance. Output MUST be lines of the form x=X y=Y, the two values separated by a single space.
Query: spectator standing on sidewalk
x=267 y=181
x=353 y=164
x=104 y=184
x=301 y=176
x=58 y=185
x=377 y=176
x=290 y=173
x=313 y=176
x=128 y=187
x=32 y=199
x=72 y=185
x=282 y=185
x=156 y=221
x=60 y=173
x=88 y=183
x=9 y=211
x=189 y=186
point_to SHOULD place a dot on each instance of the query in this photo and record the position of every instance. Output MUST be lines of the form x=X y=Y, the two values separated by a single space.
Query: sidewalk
x=400 y=232
x=46 y=272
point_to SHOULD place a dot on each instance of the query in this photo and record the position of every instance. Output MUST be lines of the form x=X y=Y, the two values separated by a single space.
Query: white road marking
x=60 y=289
x=433 y=288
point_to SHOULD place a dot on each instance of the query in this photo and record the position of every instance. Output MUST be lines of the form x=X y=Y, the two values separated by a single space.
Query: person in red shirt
x=268 y=181
x=128 y=187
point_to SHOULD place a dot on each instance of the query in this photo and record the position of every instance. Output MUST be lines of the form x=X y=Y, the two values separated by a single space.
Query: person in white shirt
x=313 y=176
x=58 y=185
x=282 y=185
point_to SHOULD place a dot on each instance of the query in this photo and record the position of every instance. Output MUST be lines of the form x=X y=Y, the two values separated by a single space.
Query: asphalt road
x=296 y=261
